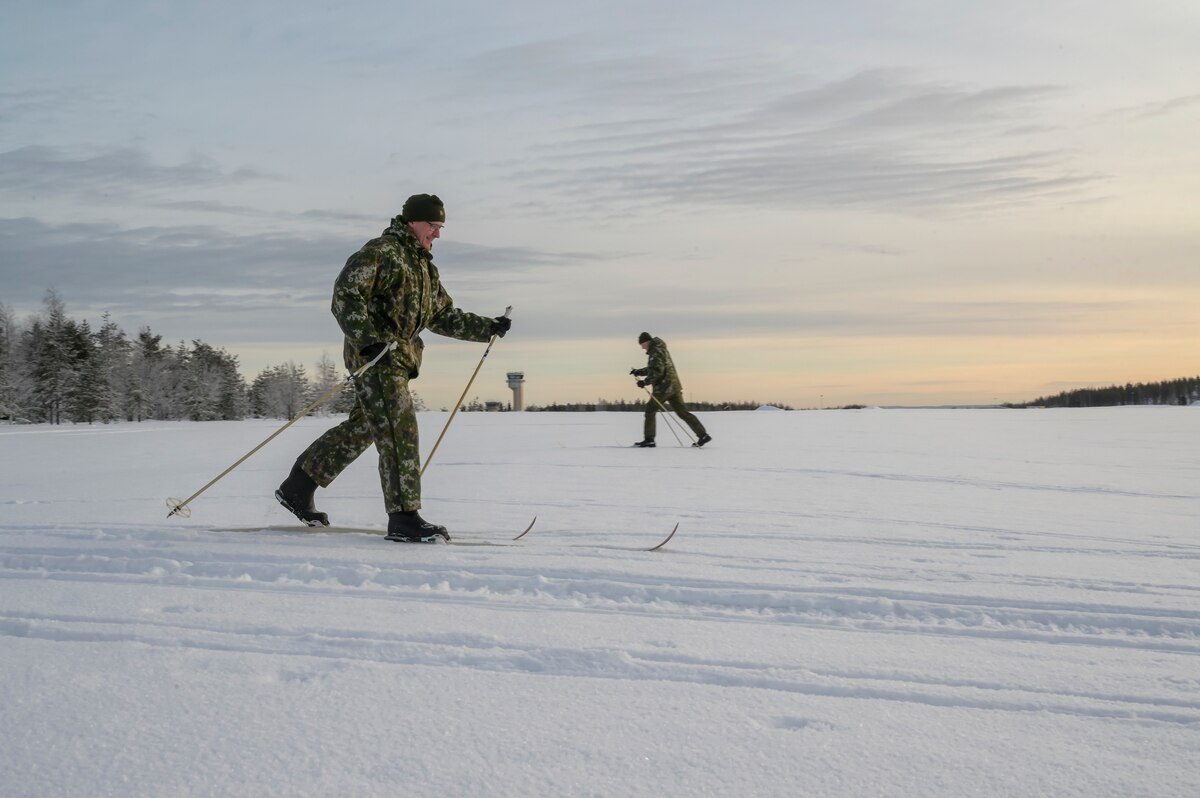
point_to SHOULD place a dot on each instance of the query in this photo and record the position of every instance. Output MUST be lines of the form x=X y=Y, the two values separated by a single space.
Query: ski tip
x=526 y=532
x=668 y=537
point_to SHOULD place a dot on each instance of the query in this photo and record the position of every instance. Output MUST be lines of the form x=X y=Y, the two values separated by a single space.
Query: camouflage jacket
x=660 y=370
x=390 y=291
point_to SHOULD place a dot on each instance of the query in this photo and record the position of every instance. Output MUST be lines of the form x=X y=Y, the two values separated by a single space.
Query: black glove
x=371 y=350
x=639 y=372
x=641 y=383
x=500 y=325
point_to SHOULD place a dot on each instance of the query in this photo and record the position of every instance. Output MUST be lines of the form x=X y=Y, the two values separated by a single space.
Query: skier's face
x=426 y=233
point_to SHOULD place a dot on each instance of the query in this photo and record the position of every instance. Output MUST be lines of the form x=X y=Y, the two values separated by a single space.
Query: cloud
x=25 y=104
x=315 y=215
x=1161 y=108
x=754 y=134
x=210 y=283
x=118 y=172
x=152 y=266
x=466 y=258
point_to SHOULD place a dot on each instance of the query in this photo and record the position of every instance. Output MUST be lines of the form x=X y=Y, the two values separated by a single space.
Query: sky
x=878 y=202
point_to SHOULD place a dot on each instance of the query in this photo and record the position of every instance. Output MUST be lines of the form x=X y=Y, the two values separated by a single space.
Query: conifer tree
x=50 y=340
x=8 y=365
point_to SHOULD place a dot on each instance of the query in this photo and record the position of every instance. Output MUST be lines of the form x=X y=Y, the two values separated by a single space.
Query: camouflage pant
x=383 y=414
x=672 y=402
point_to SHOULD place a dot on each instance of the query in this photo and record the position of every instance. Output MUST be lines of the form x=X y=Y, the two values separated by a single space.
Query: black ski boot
x=705 y=438
x=297 y=495
x=646 y=444
x=410 y=527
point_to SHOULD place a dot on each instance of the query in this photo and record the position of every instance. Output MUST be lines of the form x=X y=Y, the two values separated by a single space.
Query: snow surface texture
x=857 y=603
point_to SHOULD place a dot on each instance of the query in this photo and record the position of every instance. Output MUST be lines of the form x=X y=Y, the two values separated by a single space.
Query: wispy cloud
x=125 y=268
x=745 y=135
x=121 y=172
x=1159 y=108
x=266 y=284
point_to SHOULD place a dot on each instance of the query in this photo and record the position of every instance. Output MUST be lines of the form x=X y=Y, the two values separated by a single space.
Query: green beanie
x=423 y=208
x=643 y=338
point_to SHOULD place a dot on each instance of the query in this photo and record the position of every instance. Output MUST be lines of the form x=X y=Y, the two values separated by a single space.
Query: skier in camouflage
x=666 y=389
x=388 y=292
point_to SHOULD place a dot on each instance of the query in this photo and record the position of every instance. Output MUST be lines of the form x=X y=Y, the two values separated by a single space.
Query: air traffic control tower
x=516 y=381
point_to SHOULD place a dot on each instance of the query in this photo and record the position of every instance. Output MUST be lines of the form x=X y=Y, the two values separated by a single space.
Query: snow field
x=878 y=602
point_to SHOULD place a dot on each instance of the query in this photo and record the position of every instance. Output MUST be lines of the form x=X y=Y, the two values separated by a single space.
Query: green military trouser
x=383 y=414
x=673 y=402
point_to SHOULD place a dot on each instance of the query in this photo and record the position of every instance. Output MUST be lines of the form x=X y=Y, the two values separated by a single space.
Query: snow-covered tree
x=213 y=388
x=90 y=397
x=280 y=391
x=50 y=340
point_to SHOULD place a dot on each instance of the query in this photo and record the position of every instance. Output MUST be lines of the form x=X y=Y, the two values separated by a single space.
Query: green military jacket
x=390 y=291
x=660 y=370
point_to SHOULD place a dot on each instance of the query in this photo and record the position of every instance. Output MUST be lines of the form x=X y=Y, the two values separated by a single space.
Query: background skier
x=660 y=374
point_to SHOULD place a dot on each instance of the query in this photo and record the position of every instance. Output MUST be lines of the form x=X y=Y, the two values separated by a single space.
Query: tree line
x=55 y=369
x=1182 y=391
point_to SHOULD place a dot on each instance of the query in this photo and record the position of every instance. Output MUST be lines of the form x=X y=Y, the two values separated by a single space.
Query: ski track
x=919 y=479
x=756 y=590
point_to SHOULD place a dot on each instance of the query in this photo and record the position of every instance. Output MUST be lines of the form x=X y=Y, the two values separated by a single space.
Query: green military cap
x=424 y=208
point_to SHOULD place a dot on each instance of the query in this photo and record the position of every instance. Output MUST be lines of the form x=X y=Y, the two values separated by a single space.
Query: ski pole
x=670 y=422
x=458 y=404
x=181 y=507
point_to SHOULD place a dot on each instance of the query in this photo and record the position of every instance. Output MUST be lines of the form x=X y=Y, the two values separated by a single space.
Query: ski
x=668 y=537
x=363 y=530
x=453 y=541
x=526 y=532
